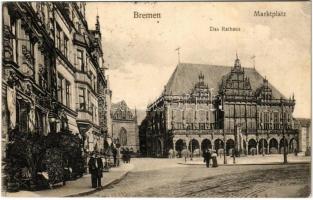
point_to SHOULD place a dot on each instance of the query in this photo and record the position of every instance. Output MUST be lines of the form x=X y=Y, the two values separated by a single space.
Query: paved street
x=165 y=178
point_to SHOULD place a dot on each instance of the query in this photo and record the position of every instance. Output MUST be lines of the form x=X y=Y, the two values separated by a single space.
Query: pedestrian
x=205 y=152
x=296 y=151
x=185 y=153
x=118 y=155
x=99 y=170
x=127 y=155
x=124 y=155
x=208 y=158
x=93 y=170
x=114 y=152
x=214 y=159
x=170 y=153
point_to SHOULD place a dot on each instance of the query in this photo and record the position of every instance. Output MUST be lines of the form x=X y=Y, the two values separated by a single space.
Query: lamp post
x=284 y=137
x=235 y=144
x=263 y=145
x=224 y=136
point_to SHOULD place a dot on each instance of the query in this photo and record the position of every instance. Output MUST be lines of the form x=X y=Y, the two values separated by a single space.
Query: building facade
x=305 y=134
x=205 y=107
x=125 y=127
x=53 y=73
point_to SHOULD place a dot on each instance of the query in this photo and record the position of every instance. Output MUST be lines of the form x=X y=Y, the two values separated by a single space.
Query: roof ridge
x=213 y=65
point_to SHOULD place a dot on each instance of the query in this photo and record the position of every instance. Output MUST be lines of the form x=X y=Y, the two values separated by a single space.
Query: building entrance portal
x=252 y=146
x=273 y=146
x=219 y=145
x=179 y=146
x=206 y=144
x=263 y=143
x=194 y=146
x=230 y=146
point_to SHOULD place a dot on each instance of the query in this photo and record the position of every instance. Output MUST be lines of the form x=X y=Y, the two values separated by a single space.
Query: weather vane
x=178 y=54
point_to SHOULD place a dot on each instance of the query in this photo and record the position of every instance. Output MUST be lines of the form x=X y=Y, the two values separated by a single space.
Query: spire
x=178 y=54
x=237 y=61
x=136 y=118
x=97 y=23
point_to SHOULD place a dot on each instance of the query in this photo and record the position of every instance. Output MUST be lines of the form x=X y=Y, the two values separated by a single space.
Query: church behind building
x=201 y=104
x=124 y=126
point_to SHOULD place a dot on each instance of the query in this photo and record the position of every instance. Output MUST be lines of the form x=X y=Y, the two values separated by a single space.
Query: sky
x=141 y=56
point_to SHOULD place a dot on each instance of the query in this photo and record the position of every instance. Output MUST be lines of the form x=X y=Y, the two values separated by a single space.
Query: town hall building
x=207 y=106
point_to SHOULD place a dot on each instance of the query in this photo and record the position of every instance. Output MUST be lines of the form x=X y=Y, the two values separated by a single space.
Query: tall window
x=60 y=87
x=88 y=101
x=266 y=121
x=92 y=113
x=80 y=60
x=68 y=93
x=94 y=82
x=82 y=98
x=65 y=46
x=123 y=137
x=276 y=121
x=96 y=111
x=58 y=37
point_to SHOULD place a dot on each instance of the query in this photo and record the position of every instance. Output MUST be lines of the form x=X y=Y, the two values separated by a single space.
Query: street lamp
x=224 y=136
x=53 y=119
x=284 y=138
x=263 y=145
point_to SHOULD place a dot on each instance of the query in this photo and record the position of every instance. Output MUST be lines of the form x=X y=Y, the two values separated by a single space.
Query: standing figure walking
x=100 y=170
x=114 y=152
x=95 y=168
x=214 y=160
x=208 y=158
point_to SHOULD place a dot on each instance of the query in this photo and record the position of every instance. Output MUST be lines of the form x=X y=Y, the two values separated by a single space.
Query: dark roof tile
x=186 y=75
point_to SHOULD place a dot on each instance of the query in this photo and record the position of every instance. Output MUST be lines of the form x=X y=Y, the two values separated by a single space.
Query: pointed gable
x=120 y=111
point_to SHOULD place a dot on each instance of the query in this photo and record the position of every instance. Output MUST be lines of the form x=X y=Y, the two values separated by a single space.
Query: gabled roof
x=119 y=105
x=186 y=75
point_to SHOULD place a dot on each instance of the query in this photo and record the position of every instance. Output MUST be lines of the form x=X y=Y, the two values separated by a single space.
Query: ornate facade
x=205 y=106
x=53 y=72
x=124 y=126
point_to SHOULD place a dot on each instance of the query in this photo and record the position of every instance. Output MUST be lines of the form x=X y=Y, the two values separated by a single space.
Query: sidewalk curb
x=272 y=163
x=91 y=191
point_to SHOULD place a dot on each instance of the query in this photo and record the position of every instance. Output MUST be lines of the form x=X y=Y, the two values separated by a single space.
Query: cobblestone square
x=165 y=178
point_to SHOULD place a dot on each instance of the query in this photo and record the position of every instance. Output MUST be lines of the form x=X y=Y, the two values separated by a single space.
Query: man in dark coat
x=100 y=170
x=205 y=152
x=95 y=168
x=114 y=152
x=208 y=158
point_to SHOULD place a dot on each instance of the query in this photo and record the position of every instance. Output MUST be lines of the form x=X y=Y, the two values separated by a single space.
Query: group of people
x=209 y=155
x=126 y=155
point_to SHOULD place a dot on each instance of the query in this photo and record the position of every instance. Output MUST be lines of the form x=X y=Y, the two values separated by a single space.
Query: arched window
x=123 y=137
